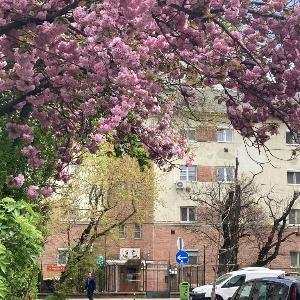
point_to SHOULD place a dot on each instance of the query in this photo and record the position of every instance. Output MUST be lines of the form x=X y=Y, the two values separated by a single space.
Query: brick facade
x=206 y=134
x=158 y=243
x=206 y=173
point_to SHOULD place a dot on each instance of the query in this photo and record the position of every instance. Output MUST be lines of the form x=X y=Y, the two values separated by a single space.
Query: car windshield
x=223 y=278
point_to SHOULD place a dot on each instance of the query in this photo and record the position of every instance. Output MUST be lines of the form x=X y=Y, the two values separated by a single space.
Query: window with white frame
x=225 y=174
x=193 y=257
x=224 y=135
x=292 y=138
x=293 y=177
x=294 y=217
x=122 y=231
x=295 y=259
x=137 y=231
x=188 y=173
x=188 y=214
x=62 y=256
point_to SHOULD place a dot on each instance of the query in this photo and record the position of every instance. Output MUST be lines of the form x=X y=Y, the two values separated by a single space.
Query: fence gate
x=157 y=280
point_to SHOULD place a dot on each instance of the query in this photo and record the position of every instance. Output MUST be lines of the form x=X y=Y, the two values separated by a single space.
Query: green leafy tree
x=105 y=192
x=21 y=243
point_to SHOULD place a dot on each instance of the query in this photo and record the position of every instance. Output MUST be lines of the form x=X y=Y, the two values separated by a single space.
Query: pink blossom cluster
x=20 y=131
x=84 y=72
x=33 y=156
x=34 y=192
x=16 y=182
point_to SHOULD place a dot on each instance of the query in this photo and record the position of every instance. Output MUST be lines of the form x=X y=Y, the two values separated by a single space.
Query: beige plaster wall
x=275 y=165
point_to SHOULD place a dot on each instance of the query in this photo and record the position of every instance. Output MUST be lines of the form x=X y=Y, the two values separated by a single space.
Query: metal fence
x=155 y=278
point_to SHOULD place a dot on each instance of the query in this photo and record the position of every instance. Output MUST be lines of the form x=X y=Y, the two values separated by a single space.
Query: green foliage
x=4 y=262
x=55 y=296
x=12 y=162
x=132 y=146
x=75 y=282
x=21 y=242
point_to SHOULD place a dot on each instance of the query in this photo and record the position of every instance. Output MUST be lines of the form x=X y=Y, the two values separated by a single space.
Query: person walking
x=90 y=286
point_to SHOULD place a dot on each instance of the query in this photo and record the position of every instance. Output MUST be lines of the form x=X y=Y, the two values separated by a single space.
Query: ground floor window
x=62 y=256
x=122 y=232
x=137 y=231
x=193 y=257
x=295 y=259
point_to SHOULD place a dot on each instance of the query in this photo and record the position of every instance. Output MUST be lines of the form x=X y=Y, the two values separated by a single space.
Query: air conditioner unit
x=179 y=185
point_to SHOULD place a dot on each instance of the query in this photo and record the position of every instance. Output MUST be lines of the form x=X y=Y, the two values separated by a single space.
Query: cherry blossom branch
x=33 y=20
x=10 y=107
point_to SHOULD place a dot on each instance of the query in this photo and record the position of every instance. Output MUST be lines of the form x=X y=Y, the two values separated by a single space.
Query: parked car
x=268 y=289
x=227 y=284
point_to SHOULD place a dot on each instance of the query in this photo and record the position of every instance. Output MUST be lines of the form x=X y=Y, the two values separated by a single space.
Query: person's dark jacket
x=90 y=284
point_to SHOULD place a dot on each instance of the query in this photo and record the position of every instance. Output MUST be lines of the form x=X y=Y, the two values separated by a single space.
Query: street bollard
x=184 y=290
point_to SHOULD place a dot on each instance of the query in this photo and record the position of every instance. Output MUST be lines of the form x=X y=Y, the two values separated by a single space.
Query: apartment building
x=143 y=258
x=216 y=146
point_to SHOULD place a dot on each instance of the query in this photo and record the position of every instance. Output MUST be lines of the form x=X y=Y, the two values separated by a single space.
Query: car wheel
x=219 y=297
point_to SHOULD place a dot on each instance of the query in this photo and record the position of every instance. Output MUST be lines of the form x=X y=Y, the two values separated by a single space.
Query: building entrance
x=129 y=278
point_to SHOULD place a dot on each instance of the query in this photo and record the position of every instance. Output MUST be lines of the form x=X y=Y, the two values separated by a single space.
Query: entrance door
x=129 y=279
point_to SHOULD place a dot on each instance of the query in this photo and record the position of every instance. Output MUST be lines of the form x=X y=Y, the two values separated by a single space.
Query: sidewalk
x=121 y=298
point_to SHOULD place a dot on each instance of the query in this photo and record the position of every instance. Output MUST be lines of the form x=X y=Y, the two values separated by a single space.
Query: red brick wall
x=206 y=134
x=145 y=243
x=159 y=243
x=206 y=173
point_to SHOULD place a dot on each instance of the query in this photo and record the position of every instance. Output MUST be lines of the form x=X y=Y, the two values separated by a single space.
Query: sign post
x=182 y=258
x=180 y=243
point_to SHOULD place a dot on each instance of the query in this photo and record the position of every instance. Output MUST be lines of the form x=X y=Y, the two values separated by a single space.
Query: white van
x=228 y=283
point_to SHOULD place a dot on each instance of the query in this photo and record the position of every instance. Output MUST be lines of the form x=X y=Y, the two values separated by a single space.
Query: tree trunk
x=228 y=253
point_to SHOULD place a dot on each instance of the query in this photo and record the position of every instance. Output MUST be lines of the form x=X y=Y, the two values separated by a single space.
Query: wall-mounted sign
x=130 y=253
x=100 y=260
x=55 y=268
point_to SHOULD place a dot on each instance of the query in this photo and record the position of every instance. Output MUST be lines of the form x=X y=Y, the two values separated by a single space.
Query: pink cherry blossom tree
x=91 y=71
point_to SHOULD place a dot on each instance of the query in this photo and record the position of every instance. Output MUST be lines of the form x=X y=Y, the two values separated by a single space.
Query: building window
x=188 y=173
x=188 y=214
x=295 y=259
x=137 y=231
x=293 y=177
x=291 y=138
x=62 y=256
x=294 y=217
x=193 y=257
x=224 y=135
x=190 y=134
x=122 y=232
x=225 y=174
